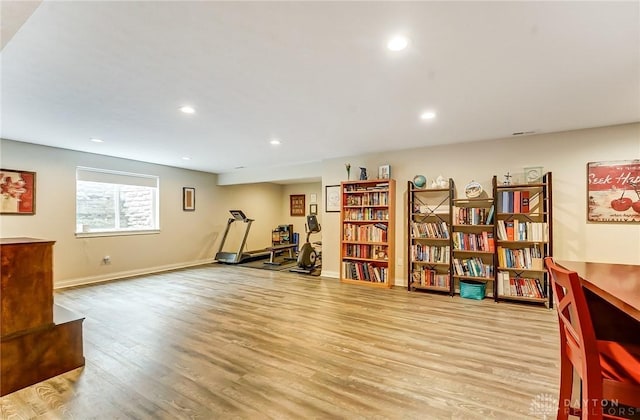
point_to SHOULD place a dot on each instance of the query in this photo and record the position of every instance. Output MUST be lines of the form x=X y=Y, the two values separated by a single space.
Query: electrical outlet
x=106 y=260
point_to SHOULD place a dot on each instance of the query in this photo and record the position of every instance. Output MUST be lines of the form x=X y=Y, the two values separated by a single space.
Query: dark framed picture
x=313 y=209
x=332 y=198
x=188 y=199
x=17 y=192
x=296 y=205
x=613 y=191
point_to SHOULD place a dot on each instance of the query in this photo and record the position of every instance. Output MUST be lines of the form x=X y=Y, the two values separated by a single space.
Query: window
x=115 y=202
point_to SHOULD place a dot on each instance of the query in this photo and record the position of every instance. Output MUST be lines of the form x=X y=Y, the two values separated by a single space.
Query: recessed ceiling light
x=398 y=43
x=187 y=109
x=275 y=142
x=186 y=158
x=97 y=140
x=427 y=115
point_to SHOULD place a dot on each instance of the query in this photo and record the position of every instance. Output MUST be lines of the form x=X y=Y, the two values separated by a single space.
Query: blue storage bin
x=471 y=289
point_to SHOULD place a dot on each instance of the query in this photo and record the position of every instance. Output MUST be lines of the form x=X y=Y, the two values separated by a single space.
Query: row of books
x=474 y=241
x=430 y=278
x=368 y=199
x=472 y=267
x=520 y=286
x=519 y=202
x=474 y=215
x=526 y=258
x=365 y=272
x=368 y=233
x=366 y=214
x=432 y=254
x=360 y=187
x=515 y=230
x=438 y=230
x=373 y=252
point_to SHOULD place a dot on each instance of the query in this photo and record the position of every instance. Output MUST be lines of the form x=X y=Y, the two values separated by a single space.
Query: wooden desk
x=613 y=296
x=618 y=284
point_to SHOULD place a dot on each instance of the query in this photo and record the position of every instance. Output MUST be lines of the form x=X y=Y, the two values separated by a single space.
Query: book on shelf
x=516 y=201
x=520 y=286
x=472 y=216
x=525 y=202
x=472 y=267
x=430 y=253
x=364 y=271
x=524 y=258
x=516 y=230
x=430 y=278
x=367 y=232
x=429 y=230
x=490 y=215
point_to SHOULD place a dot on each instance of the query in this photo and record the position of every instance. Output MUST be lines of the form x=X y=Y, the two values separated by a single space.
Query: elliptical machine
x=307 y=257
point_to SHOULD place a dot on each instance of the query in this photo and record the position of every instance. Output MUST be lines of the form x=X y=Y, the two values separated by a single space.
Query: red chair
x=609 y=371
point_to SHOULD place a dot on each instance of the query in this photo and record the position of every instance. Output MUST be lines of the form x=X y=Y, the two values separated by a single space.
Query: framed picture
x=188 y=199
x=313 y=198
x=332 y=198
x=313 y=209
x=384 y=172
x=613 y=191
x=533 y=174
x=296 y=205
x=17 y=192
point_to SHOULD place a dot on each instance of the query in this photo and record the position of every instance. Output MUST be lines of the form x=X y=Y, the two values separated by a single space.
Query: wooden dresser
x=38 y=339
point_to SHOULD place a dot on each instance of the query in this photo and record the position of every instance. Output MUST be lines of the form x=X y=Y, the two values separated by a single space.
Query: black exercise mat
x=260 y=264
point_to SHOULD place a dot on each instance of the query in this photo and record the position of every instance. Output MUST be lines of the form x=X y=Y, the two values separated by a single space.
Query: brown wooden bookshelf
x=524 y=236
x=429 y=238
x=367 y=232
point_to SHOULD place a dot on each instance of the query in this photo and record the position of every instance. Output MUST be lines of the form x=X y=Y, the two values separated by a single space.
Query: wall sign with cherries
x=613 y=190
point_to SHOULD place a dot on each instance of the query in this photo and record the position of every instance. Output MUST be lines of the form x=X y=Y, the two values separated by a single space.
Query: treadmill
x=241 y=255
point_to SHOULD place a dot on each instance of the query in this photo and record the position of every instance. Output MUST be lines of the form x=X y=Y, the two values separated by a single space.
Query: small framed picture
x=384 y=172
x=332 y=199
x=313 y=209
x=188 y=199
x=533 y=174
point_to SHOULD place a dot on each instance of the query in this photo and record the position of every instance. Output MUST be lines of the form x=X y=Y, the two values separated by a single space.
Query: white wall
x=564 y=154
x=193 y=237
x=186 y=238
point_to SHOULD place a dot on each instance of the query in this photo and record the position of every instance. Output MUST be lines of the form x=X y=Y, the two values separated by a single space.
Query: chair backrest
x=578 y=340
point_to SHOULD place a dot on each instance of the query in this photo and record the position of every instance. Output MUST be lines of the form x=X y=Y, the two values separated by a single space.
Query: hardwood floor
x=229 y=342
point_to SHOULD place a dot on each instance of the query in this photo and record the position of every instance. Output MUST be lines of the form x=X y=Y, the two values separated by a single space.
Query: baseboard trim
x=330 y=274
x=82 y=281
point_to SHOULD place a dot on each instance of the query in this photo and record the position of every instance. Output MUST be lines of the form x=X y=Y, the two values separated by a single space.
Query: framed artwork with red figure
x=613 y=190
x=17 y=192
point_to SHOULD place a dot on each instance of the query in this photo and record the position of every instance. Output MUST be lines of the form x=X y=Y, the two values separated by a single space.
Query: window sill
x=116 y=233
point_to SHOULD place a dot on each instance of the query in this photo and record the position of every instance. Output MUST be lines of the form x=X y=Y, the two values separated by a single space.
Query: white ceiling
x=316 y=75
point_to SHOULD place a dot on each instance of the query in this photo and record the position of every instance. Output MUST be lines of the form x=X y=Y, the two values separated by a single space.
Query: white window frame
x=118 y=178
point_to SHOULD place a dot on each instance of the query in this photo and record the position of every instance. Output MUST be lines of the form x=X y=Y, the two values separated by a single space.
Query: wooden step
x=34 y=355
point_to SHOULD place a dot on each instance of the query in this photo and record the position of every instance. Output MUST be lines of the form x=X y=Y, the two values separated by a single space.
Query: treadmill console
x=238 y=214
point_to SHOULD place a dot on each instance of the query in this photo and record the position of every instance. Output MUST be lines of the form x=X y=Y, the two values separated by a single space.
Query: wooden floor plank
x=219 y=341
